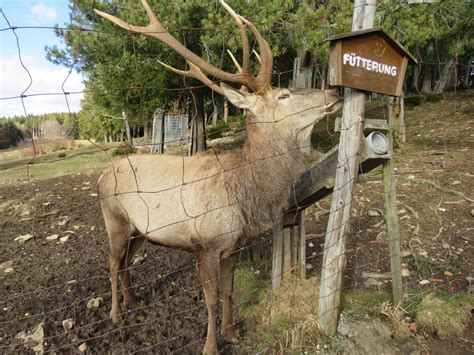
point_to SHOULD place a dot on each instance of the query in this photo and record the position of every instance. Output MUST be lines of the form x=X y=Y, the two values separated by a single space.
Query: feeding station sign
x=368 y=60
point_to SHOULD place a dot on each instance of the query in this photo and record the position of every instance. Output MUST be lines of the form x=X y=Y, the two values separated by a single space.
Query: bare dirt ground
x=48 y=282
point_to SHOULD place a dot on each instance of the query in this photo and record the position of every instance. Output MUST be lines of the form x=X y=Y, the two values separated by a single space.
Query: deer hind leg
x=208 y=268
x=119 y=234
x=227 y=286
x=134 y=243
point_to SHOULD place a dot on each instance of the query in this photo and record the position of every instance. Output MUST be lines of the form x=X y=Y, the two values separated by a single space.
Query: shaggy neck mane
x=267 y=166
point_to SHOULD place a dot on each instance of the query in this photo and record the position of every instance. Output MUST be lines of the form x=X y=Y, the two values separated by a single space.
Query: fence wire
x=55 y=250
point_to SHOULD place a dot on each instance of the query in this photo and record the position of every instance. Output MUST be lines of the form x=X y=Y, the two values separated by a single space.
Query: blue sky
x=47 y=77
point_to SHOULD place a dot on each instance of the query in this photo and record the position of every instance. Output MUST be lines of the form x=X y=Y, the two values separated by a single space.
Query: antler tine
x=236 y=63
x=150 y=14
x=257 y=56
x=243 y=36
x=266 y=60
x=196 y=73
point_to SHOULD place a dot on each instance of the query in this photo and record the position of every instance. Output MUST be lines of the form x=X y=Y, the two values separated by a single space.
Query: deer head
x=293 y=112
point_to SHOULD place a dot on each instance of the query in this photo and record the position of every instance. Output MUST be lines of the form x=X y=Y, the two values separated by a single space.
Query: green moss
x=364 y=301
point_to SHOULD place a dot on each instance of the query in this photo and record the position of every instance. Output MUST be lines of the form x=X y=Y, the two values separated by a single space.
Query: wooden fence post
x=302 y=245
x=391 y=217
x=346 y=177
x=286 y=252
x=277 y=254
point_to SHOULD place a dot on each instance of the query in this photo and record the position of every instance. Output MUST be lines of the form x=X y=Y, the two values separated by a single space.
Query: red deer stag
x=211 y=203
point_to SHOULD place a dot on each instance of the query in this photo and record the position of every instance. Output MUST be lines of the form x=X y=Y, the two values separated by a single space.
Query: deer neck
x=270 y=164
x=265 y=140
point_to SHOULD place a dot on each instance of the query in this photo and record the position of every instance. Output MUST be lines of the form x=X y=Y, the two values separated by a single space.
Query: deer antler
x=196 y=73
x=154 y=29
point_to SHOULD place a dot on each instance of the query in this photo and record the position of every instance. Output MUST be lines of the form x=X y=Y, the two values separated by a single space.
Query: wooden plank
x=312 y=184
x=277 y=254
x=312 y=181
x=401 y=78
x=294 y=248
x=334 y=258
x=391 y=217
x=302 y=245
x=370 y=124
x=286 y=253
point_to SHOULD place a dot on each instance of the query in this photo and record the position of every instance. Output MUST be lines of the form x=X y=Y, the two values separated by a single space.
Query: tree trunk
x=427 y=76
x=467 y=73
x=215 y=116
x=445 y=77
x=324 y=78
x=145 y=131
x=415 y=84
x=127 y=127
x=226 y=110
x=198 y=124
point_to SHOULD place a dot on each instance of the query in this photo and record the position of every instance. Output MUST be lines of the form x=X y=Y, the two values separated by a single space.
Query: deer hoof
x=230 y=337
x=132 y=304
x=210 y=351
x=116 y=318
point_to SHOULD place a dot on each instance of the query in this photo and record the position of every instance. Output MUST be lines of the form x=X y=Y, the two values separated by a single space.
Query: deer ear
x=238 y=98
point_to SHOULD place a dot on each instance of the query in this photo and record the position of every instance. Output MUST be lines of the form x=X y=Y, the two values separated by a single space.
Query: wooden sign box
x=368 y=60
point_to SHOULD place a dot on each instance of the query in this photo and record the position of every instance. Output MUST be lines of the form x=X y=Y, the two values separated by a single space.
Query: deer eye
x=283 y=96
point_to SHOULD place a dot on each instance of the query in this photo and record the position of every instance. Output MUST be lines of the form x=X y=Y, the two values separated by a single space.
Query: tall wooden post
x=277 y=254
x=286 y=253
x=302 y=244
x=391 y=217
x=334 y=259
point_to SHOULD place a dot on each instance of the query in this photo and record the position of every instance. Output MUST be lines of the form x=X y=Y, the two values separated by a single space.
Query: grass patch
x=282 y=322
x=434 y=98
x=87 y=160
x=218 y=131
x=364 y=301
x=124 y=149
x=222 y=128
x=443 y=316
x=412 y=100
x=248 y=286
x=427 y=267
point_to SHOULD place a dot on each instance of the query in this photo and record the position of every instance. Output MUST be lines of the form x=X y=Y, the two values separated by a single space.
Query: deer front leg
x=208 y=268
x=227 y=287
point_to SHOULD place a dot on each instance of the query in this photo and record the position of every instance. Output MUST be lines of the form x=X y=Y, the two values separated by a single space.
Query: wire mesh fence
x=56 y=295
